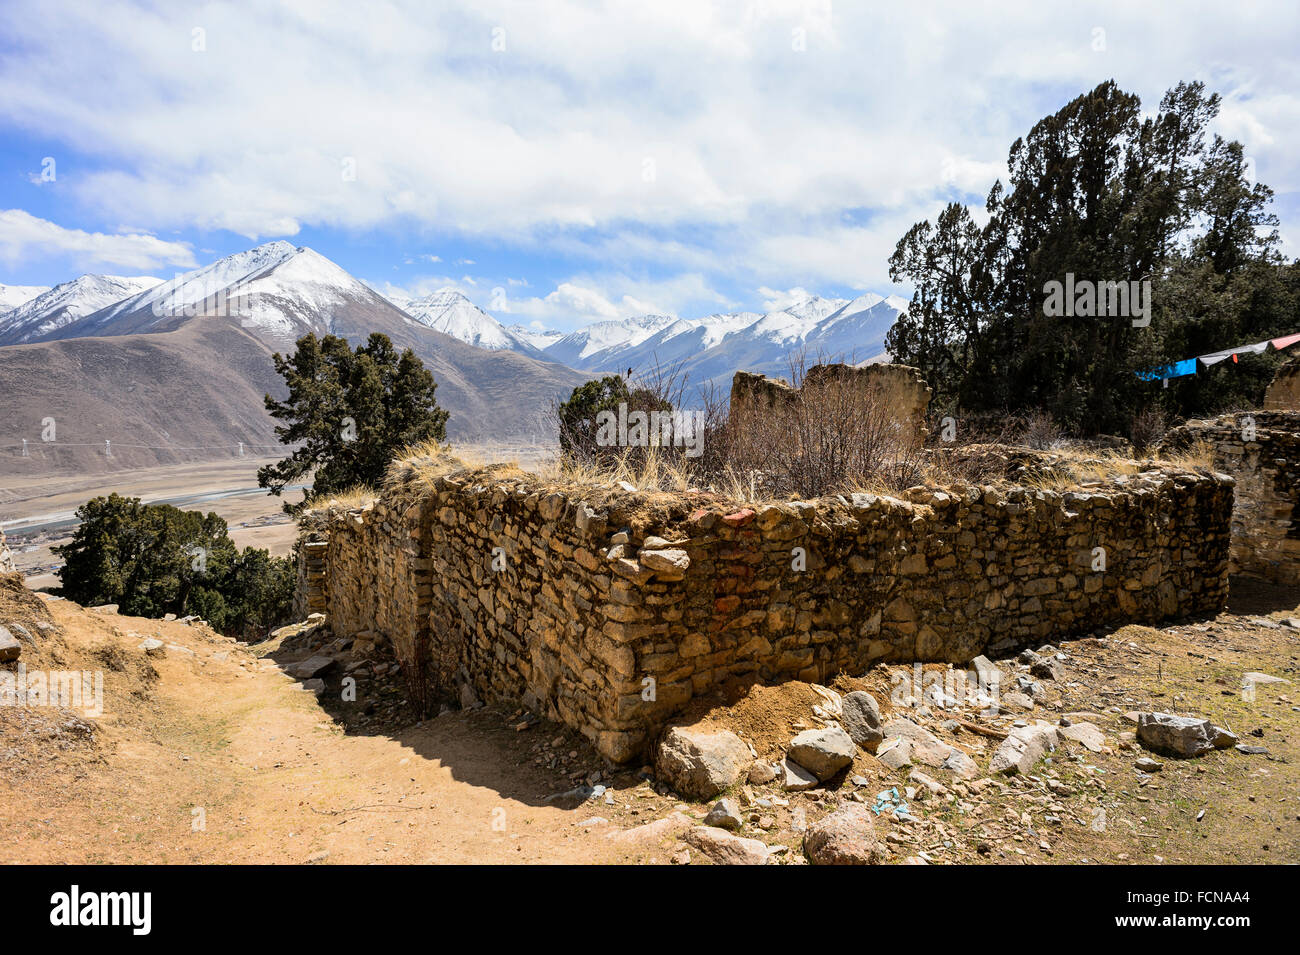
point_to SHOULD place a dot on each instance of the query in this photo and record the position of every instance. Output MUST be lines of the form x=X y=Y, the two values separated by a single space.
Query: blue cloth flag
x=1179 y=368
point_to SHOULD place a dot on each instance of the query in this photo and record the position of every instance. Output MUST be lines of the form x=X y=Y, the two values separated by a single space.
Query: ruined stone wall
x=1283 y=393
x=898 y=388
x=1261 y=450
x=609 y=611
x=309 y=591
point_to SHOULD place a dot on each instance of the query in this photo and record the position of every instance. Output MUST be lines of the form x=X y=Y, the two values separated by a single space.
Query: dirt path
x=229 y=760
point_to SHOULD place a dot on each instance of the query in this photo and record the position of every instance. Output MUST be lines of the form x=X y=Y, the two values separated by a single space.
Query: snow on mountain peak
x=67 y=302
x=448 y=311
x=815 y=307
x=11 y=296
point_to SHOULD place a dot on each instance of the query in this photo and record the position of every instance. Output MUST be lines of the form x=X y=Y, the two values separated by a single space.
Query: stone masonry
x=609 y=611
x=1284 y=392
x=1261 y=450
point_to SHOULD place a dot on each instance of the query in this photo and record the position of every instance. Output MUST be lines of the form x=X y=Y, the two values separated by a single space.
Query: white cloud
x=584 y=302
x=774 y=300
x=24 y=237
x=688 y=134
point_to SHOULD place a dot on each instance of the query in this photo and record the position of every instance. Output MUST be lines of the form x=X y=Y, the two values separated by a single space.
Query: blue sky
x=576 y=161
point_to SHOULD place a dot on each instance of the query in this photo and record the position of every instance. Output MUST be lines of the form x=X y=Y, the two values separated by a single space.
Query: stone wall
x=609 y=611
x=1283 y=393
x=309 y=591
x=1261 y=450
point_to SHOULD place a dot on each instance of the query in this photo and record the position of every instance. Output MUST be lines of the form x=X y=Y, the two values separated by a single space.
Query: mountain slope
x=581 y=349
x=187 y=395
x=66 y=303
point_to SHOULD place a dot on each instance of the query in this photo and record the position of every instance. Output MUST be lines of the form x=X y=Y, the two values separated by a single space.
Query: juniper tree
x=348 y=412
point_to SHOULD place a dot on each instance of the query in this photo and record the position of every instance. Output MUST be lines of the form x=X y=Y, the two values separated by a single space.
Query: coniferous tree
x=1098 y=192
x=349 y=412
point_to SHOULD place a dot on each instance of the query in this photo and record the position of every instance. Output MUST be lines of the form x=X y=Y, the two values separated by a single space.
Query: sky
x=562 y=163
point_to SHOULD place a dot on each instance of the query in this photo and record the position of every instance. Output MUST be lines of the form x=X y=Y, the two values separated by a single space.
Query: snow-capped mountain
x=451 y=313
x=541 y=339
x=277 y=291
x=710 y=350
x=66 y=303
x=581 y=349
x=11 y=296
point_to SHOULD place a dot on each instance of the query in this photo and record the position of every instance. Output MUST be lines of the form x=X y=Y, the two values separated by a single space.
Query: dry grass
x=664 y=473
x=353 y=497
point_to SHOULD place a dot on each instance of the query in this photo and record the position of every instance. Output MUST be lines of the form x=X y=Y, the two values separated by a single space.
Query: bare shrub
x=1041 y=432
x=1148 y=427
x=826 y=434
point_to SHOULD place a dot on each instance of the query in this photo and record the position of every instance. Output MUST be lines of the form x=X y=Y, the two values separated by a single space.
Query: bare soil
x=212 y=753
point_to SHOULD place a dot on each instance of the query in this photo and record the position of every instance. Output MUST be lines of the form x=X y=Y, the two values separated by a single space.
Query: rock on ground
x=1086 y=733
x=845 y=837
x=723 y=848
x=861 y=717
x=10 y=648
x=823 y=752
x=796 y=779
x=725 y=814
x=896 y=752
x=699 y=764
x=311 y=667
x=1181 y=736
x=1023 y=748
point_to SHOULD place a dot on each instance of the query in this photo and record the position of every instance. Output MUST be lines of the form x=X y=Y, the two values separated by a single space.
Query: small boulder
x=311 y=667
x=990 y=677
x=960 y=764
x=1023 y=748
x=153 y=647
x=845 y=837
x=823 y=752
x=796 y=779
x=895 y=752
x=700 y=764
x=723 y=848
x=1086 y=733
x=1182 y=736
x=1046 y=668
x=861 y=718
x=762 y=773
x=1148 y=765
x=725 y=814
x=10 y=648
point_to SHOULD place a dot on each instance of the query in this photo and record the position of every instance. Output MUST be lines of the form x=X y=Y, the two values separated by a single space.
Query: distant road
x=24 y=527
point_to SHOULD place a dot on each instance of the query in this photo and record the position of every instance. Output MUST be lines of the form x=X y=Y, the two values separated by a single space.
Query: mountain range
x=706 y=351
x=176 y=370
